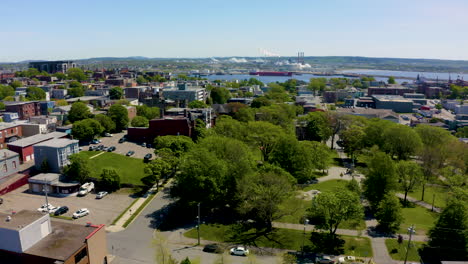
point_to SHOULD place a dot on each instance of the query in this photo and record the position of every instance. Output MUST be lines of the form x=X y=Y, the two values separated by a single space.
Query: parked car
x=110 y=149
x=130 y=153
x=53 y=209
x=95 y=141
x=92 y=148
x=143 y=144
x=239 y=251
x=213 y=248
x=86 y=188
x=80 y=213
x=325 y=260
x=346 y=259
x=122 y=140
x=149 y=146
x=100 y=147
x=108 y=134
x=104 y=148
x=44 y=207
x=405 y=117
x=101 y=194
x=148 y=156
x=61 y=210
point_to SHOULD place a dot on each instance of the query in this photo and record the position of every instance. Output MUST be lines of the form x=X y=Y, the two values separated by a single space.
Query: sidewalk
x=118 y=226
x=419 y=202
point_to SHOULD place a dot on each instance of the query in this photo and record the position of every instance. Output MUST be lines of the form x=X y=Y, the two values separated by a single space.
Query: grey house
x=56 y=152
x=9 y=163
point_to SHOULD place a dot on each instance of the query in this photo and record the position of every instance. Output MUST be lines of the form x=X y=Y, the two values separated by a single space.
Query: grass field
x=280 y=238
x=422 y=218
x=129 y=169
x=398 y=252
x=441 y=195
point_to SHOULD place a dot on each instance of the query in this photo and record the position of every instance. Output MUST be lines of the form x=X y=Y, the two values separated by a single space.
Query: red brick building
x=8 y=131
x=388 y=91
x=24 y=147
x=161 y=127
x=24 y=109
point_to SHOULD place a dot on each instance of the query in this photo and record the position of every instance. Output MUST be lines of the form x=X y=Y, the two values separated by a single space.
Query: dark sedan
x=61 y=210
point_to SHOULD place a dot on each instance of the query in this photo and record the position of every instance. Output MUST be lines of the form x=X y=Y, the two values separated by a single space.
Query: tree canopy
x=116 y=93
x=119 y=115
x=220 y=95
x=76 y=74
x=35 y=93
x=78 y=111
x=86 y=129
x=79 y=168
x=140 y=121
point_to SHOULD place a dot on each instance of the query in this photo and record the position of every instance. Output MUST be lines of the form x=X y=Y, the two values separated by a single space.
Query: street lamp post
x=306 y=221
x=45 y=189
x=198 y=224
x=411 y=231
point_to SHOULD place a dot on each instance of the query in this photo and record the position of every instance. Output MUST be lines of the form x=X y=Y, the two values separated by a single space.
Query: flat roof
x=57 y=143
x=5 y=125
x=64 y=241
x=6 y=153
x=86 y=98
x=46 y=177
x=36 y=139
x=19 y=220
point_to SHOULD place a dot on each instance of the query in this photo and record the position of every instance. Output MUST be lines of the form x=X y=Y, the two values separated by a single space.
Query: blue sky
x=52 y=29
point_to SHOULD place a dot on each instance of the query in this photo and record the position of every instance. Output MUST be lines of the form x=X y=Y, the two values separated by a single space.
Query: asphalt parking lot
x=123 y=148
x=102 y=211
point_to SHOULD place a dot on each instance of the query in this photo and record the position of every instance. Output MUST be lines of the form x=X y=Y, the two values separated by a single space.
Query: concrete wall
x=33 y=129
x=97 y=246
x=10 y=240
x=34 y=232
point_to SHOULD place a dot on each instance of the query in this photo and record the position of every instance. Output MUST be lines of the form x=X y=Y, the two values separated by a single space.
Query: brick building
x=24 y=109
x=161 y=127
x=389 y=91
x=24 y=147
x=9 y=132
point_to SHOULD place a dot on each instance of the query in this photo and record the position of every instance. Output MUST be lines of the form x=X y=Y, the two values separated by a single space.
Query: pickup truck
x=86 y=188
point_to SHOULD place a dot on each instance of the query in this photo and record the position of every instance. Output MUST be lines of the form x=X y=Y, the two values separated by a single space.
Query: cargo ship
x=265 y=73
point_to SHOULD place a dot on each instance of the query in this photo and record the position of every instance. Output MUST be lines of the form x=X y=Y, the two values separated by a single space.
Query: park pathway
x=419 y=202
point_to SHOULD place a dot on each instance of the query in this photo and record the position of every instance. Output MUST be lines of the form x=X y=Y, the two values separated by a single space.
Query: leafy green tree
x=317 y=84
x=61 y=102
x=391 y=80
x=15 y=84
x=106 y=122
x=79 y=168
x=141 y=80
x=410 y=176
x=264 y=135
x=448 y=239
x=76 y=91
x=119 y=115
x=197 y=104
x=5 y=91
x=186 y=261
x=78 y=111
x=76 y=74
x=260 y=101
x=352 y=138
x=435 y=150
x=278 y=114
x=60 y=76
x=321 y=155
x=354 y=186
x=140 y=121
x=116 y=93
x=462 y=132
x=262 y=194
x=317 y=127
x=245 y=114
x=35 y=93
x=86 y=129
x=330 y=209
x=109 y=180
x=374 y=132
x=228 y=127
x=389 y=214
x=199 y=131
x=220 y=95
x=380 y=178
x=401 y=141
x=177 y=144
x=155 y=171
x=2 y=106
x=148 y=112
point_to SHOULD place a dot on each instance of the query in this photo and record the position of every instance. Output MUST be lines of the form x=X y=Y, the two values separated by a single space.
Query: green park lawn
x=130 y=170
x=327 y=185
x=280 y=238
x=422 y=219
x=441 y=194
x=398 y=251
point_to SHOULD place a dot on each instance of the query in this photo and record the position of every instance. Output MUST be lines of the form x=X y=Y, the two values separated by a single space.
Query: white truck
x=86 y=188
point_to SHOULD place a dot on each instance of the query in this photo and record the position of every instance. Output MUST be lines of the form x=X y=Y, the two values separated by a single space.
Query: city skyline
x=184 y=29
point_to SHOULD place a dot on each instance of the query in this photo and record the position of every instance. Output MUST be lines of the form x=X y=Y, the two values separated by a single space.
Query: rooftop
x=57 y=143
x=4 y=125
x=36 y=139
x=86 y=98
x=380 y=113
x=19 y=220
x=64 y=240
x=394 y=98
x=5 y=153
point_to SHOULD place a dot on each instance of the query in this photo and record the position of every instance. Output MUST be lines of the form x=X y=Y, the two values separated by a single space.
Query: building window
x=14 y=164
x=81 y=255
x=5 y=169
x=1 y=134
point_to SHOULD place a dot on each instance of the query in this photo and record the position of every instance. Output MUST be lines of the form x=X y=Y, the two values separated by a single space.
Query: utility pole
x=306 y=221
x=46 y=190
x=411 y=231
x=198 y=224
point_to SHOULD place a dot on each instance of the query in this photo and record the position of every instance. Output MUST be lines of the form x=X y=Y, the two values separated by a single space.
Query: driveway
x=102 y=211
x=123 y=148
